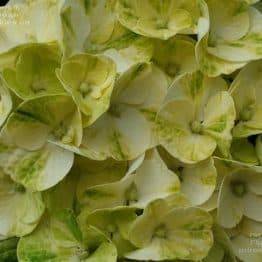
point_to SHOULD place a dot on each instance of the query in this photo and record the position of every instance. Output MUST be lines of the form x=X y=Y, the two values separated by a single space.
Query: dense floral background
x=131 y=130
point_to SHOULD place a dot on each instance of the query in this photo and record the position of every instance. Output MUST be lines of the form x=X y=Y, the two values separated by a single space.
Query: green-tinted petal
x=174 y=133
x=228 y=21
x=240 y=194
x=245 y=48
x=113 y=135
x=196 y=88
x=105 y=252
x=5 y=102
x=21 y=210
x=212 y=65
x=115 y=224
x=109 y=37
x=188 y=113
x=152 y=180
x=248 y=100
x=175 y=56
x=234 y=39
x=134 y=51
x=62 y=195
x=252 y=202
x=90 y=80
x=20 y=128
x=41 y=169
x=259 y=148
x=159 y=19
x=211 y=203
x=180 y=233
x=198 y=181
x=250 y=127
x=75 y=26
x=230 y=207
x=222 y=249
x=69 y=133
x=34 y=72
x=102 y=19
x=250 y=2
x=94 y=173
x=34 y=120
x=242 y=150
x=154 y=84
x=208 y=63
x=8 y=250
x=58 y=238
x=219 y=119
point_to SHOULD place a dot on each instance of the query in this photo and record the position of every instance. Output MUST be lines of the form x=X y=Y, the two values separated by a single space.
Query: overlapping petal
x=90 y=80
x=159 y=19
x=198 y=116
x=240 y=195
x=179 y=233
x=21 y=209
x=33 y=73
x=134 y=188
x=137 y=96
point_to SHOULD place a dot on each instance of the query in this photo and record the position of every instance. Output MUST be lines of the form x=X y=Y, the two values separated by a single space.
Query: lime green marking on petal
x=39 y=256
x=220 y=125
x=238 y=188
x=196 y=127
x=208 y=180
x=65 y=18
x=149 y=114
x=30 y=166
x=247 y=113
x=117 y=148
x=168 y=130
x=196 y=83
x=69 y=219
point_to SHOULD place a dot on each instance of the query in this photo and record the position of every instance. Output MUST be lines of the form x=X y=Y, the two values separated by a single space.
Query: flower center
x=162 y=24
x=38 y=84
x=196 y=127
x=238 y=188
x=85 y=89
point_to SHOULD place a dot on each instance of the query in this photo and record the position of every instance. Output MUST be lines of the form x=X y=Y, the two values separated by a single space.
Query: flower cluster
x=131 y=130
